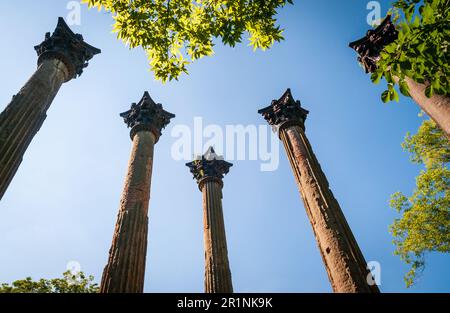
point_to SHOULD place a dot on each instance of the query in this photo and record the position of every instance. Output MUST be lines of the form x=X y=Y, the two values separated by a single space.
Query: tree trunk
x=437 y=107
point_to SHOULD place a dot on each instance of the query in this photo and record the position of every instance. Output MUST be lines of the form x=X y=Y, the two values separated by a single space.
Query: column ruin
x=125 y=270
x=344 y=262
x=62 y=57
x=209 y=172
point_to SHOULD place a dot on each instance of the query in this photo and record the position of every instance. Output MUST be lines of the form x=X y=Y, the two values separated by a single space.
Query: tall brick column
x=341 y=255
x=125 y=270
x=369 y=49
x=209 y=172
x=62 y=57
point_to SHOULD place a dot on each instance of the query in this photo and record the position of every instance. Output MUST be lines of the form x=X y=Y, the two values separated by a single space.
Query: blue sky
x=63 y=201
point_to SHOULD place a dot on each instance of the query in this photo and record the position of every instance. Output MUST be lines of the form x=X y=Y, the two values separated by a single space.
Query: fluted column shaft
x=62 y=57
x=217 y=267
x=25 y=114
x=343 y=259
x=125 y=270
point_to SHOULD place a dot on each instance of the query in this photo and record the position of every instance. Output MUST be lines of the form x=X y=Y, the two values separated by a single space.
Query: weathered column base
x=125 y=270
x=344 y=262
x=217 y=267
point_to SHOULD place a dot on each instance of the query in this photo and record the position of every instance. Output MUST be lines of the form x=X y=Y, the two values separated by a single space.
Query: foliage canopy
x=69 y=283
x=174 y=33
x=425 y=222
x=422 y=50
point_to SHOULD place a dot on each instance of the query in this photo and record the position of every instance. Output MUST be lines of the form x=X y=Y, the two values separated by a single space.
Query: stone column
x=369 y=49
x=209 y=172
x=125 y=270
x=341 y=255
x=62 y=57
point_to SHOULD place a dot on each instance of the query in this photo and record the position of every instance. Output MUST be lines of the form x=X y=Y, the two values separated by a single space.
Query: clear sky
x=63 y=201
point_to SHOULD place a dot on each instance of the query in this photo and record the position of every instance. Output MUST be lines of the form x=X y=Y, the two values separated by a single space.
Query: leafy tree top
x=69 y=283
x=425 y=222
x=421 y=51
x=175 y=33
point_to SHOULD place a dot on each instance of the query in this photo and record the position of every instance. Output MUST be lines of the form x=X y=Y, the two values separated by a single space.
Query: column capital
x=370 y=47
x=284 y=112
x=147 y=115
x=68 y=47
x=209 y=167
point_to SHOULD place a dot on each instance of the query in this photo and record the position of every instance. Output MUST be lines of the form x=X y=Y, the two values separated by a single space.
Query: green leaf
x=436 y=84
x=409 y=12
x=388 y=76
x=416 y=22
x=391 y=48
x=404 y=88
x=421 y=47
x=395 y=96
x=429 y=91
x=376 y=77
x=385 y=96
